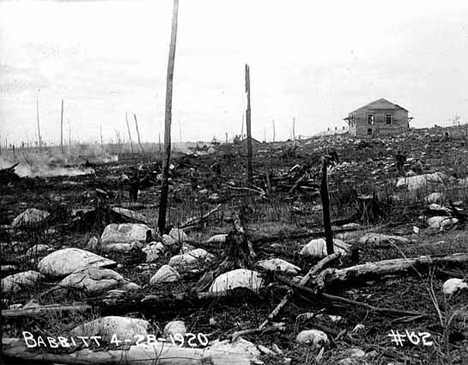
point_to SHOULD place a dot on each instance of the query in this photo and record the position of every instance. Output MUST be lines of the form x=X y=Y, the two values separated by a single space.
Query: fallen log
x=303 y=282
x=25 y=312
x=370 y=270
x=157 y=353
x=335 y=298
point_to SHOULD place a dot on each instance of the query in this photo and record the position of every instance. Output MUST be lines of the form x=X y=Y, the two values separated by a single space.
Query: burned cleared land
x=242 y=274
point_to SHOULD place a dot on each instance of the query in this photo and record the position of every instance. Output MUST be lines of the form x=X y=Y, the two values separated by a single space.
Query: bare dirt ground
x=279 y=222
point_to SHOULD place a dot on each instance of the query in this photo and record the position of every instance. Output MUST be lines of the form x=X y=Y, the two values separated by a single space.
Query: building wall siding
x=361 y=126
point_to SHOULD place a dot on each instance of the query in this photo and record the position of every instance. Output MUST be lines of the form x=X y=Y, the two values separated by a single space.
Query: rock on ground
x=315 y=338
x=30 y=217
x=124 y=328
x=93 y=280
x=131 y=215
x=239 y=346
x=378 y=239
x=237 y=278
x=23 y=280
x=194 y=261
x=175 y=327
x=124 y=233
x=441 y=222
x=414 y=183
x=453 y=285
x=63 y=262
x=165 y=274
x=318 y=248
x=276 y=264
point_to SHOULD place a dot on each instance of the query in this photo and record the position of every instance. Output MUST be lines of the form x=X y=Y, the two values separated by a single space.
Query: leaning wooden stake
x=129 y=133
x=138 y=133
x=167 y=125
x=249 y=126
x=326 y=207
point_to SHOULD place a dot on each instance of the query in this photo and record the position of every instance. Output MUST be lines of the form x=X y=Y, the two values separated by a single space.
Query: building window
x=369 y=132
x=388 y=119
x=370 y=119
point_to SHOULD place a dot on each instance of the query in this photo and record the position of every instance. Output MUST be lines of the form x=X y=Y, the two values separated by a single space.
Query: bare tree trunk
x=61 y=129
x=242 y=128
x=39 y=138
x=138 y=133
x=274 y=130
x=129 y=133
x=294 y=129
x=167 y=125
x=326 y=207
x=249 y=126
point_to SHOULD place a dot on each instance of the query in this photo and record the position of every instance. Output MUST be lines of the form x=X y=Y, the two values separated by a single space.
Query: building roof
x=380 y=104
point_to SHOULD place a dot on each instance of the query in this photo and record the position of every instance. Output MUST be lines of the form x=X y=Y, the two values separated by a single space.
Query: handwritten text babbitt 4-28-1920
x=189 y=339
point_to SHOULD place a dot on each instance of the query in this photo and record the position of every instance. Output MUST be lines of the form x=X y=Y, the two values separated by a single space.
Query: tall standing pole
x=242 y=128
x=129 y=133
x=39 y=139
x=249 y=129
x=61 y=129
x=294 y=129
x=274 y=130
x=167 y=122
x=138 y=133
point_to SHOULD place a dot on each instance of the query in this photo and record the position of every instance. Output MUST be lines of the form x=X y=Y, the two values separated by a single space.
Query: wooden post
x=274 y=130
x=242 y=128
x=249 y=129
x=226 y=137
x=61 y=129
x=326 y=207
x=294 y=129
x=39 y=139
x=159 y=143
x=138 y=133
x=69 y=137
x=167 y=122
x=129 y=133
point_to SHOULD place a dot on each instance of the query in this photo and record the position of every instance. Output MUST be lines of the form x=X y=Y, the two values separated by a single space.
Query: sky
x=313 y=61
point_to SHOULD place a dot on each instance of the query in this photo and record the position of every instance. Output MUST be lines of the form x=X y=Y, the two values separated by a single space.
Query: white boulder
x=23 y=280
x=154 y=251
x=237 y=278
x=165 y=274
x=318 y=248
x=124 y=329
x=441 y=222
x=175 y=327
x=414 y=183
x=194 y=261
x=315 y=338
x=179 y=235
x=30 y=217
x=276 y=264
x=453 y=285
x=93 y=280
x=64 y=262
x=378 y=239
x=124 y=233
